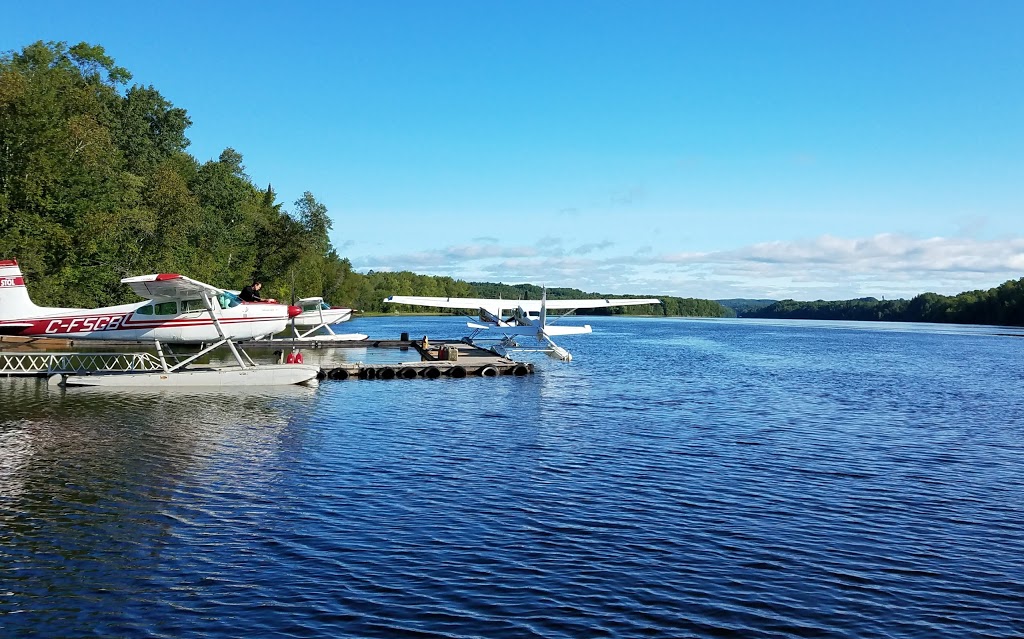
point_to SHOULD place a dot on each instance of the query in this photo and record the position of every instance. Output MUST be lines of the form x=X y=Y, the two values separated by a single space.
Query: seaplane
x=177 y=310
x=520 y=318
x=316 y=316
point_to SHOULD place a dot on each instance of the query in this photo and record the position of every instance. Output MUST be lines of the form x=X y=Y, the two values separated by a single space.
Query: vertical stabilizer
x=14 y=300
x=544 y=308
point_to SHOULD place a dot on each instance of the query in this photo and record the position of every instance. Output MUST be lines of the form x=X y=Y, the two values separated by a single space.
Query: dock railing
x=45 y=364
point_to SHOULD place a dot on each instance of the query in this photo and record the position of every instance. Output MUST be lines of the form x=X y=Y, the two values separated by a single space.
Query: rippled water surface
x=679 y=478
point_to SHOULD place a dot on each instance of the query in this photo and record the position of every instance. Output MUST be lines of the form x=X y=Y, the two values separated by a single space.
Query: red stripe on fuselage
x=11 y=282
x=119 y=322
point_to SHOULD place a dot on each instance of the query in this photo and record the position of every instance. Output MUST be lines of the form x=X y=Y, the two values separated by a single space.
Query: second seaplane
x=177 y=310
x=317 y=316
x=512 y=319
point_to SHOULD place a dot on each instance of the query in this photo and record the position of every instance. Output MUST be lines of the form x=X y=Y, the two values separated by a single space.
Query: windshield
x=228 y=300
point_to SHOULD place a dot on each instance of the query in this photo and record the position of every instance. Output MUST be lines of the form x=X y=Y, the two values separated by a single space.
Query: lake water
x=679 y=478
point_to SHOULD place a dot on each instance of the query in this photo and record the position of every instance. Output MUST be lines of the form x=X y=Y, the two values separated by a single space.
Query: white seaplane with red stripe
x=178 y=310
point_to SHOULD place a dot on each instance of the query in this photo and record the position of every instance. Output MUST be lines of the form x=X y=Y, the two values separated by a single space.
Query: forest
x=1001 y=306
x=96 y=184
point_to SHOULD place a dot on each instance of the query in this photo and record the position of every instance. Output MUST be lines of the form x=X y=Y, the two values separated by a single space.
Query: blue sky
x=708 y=149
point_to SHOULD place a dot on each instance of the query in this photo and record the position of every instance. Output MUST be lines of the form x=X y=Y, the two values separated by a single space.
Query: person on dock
x=252 y=293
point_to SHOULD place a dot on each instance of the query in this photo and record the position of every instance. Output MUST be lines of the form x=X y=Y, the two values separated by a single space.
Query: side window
x=145 y=310
x=166 y=308
x=191 y=306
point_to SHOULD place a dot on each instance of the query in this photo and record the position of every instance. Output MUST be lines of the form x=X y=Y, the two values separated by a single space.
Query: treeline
x=96 y=185
x=1002 y=305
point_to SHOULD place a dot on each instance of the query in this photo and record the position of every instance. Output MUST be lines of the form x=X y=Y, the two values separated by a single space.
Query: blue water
x=679 y=478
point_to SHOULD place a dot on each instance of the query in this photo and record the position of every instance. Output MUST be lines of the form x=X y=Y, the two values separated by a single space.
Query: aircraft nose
x=293 y=311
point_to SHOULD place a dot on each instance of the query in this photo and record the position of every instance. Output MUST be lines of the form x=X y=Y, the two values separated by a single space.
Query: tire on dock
x=458 y=372
x=520 y=370
x=489 y=371
x=432 y=372
x=338 y=373
x=386 y=373
x=407 y=373
x=367 y=373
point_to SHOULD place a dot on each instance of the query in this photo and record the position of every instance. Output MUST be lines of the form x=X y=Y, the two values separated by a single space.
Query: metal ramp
x=46 y=364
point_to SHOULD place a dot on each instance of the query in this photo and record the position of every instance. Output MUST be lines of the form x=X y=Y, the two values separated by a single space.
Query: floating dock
x=440 y=359
x=436 y=359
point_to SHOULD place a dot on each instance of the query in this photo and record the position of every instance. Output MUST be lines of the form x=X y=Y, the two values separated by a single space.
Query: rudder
x=14 y=300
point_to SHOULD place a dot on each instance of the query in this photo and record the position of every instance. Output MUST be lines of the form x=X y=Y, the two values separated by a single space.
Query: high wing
x=168 y=286
x=534 y=305
x=530 y=306
x=450 y=302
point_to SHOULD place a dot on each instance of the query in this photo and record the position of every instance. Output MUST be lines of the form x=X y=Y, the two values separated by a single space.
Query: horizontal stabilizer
x=550 y=330
x=14 y=328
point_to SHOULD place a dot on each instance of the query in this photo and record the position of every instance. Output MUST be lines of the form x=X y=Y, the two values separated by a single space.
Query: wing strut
x=235 y=350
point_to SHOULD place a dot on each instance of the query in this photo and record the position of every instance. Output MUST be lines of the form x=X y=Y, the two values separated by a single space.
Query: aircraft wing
x=450 y=302
x=527 y=305
x=534 y=305
x=168 y=286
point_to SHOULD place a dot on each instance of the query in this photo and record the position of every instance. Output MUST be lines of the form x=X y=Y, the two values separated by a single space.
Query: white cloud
x=824 y=267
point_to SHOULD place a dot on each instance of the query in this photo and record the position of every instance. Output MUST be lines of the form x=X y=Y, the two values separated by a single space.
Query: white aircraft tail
x=544 y=308
x=14 y=299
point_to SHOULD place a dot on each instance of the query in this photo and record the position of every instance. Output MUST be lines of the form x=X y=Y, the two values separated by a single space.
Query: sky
x=718 y=149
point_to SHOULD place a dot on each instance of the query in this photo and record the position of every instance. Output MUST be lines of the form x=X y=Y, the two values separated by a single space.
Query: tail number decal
x=85 y=324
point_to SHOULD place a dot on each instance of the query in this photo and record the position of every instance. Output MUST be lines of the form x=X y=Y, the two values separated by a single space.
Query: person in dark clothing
x=252 y=293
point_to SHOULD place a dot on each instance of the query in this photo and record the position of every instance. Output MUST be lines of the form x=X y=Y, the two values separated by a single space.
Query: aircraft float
x=178 y=310
x=527 y=318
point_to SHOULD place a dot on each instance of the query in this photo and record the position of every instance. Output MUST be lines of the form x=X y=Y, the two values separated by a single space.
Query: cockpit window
x=228 y=300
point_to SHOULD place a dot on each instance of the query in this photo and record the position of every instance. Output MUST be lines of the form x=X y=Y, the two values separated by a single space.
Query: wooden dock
x=443 y=358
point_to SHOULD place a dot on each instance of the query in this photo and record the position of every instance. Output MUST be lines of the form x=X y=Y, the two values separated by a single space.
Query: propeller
x=295 y=333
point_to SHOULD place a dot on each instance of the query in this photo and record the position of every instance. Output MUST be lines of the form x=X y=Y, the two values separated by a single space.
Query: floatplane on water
x=519 y=318
x=317 y=315
x=177 y=310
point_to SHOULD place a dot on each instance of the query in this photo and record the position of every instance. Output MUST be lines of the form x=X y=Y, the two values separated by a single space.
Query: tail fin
x=14 y=299
x=544 y=308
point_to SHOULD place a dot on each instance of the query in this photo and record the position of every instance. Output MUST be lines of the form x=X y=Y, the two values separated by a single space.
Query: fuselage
x=187 y=319
x=318 y=317
x=316 y=312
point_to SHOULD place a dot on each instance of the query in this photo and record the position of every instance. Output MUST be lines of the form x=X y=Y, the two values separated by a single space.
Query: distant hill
x=1002 y=305
x=742 y=305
